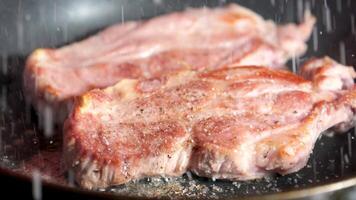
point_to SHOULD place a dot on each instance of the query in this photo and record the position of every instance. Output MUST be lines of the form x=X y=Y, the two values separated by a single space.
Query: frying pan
x=26 y=25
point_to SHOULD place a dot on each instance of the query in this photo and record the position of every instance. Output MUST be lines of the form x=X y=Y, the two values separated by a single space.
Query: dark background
x=30 y=24
x=26 y=25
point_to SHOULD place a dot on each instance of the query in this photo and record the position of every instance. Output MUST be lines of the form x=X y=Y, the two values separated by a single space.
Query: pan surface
x=26 y=25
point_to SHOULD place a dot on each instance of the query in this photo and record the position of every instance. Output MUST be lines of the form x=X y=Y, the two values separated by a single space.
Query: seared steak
x=194 y=39
x=233 y=123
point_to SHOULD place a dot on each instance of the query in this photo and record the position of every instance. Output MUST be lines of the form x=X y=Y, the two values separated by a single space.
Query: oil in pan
x=24 y=149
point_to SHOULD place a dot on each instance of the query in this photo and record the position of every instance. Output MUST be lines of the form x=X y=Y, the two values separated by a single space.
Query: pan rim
x=336 y=184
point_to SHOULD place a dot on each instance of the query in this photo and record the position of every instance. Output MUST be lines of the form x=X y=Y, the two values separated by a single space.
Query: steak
x=195 y=39
x=235 y=123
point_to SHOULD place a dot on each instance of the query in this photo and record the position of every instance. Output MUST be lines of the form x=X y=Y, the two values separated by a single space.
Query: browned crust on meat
x=236 y=123
x=255 y=72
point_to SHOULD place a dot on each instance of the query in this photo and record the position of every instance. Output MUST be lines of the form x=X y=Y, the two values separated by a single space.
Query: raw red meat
x=194 y=39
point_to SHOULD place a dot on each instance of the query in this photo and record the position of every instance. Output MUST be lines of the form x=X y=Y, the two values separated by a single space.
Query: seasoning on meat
x=235 y=123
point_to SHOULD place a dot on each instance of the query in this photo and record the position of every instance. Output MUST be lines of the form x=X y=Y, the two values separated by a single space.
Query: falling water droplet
x=281 y=7
x=36 y=185
x=1 y=148
x=339 y=6
x=300 y=10
x=307 y=6
x=315 y=39
x=48 y=121
x=313 y=3
x=346 y=158
x=71 y=178
x=189 y=175
x=353 y=30
x=20 y=28
x=122 y=14
x=294 y=64
x=333 y=24
x=273 y=2
x=314 y=169
x=157 y=2
x=327 y=17
x=342 y=163
x=65 y=32
x=3 y=98
x=55 y=12
x=222 y=2
x=342 y=53
x=28 y=17
x=4 y=63
x=349 y=144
